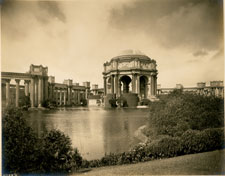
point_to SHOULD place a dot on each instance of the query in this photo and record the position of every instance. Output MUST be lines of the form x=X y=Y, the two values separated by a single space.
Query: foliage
x=49 y=103
x=176 y=113
x=20 y=149
x=112 y=102
x=24 y=152
x=24 y=102
x=145 y=101
x=194 y=141
x=84 y=102
x=122 y=102
x=56 y=152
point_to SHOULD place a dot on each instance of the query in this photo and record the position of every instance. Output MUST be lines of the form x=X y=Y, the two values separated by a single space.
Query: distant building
x=215 y=88
x=41 y=87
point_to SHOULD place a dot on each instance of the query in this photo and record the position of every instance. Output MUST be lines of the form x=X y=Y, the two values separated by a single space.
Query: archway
x=125 y=80
x=143 y=86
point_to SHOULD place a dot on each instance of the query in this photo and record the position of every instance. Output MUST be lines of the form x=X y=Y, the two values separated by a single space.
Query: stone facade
x=132 y=72
x=215 y=88
x=40 y=87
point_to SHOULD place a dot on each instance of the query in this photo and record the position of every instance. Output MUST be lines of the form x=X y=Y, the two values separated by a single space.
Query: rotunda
x=131 y=71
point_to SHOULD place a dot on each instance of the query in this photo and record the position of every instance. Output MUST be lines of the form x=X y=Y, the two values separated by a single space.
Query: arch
x=125 y=81
x=143 y=86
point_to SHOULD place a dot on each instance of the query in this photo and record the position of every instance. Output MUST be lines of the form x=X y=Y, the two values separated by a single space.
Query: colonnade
x=150 y=84
x=36 y=88
x=68 y=96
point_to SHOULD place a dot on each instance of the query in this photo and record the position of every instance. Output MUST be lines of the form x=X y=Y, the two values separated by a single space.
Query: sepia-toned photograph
x=112 y=87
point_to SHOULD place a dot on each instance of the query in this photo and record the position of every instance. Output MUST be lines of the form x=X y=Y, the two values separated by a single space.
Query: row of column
x=151 y=87
x=68 y=96
x=215 y=91
x=36 y=88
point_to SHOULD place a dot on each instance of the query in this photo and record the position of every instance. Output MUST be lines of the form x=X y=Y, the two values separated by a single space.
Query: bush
x=176 y=113
x=112 y=102
x=194 y=141
x=145 y=102
x=56 y=152
x=24 y=152
x=20 y=143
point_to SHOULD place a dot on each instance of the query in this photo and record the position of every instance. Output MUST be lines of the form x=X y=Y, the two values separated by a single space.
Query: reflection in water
x=94 y=131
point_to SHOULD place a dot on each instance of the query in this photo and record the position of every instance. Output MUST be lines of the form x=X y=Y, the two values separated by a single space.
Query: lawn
x=208 y=163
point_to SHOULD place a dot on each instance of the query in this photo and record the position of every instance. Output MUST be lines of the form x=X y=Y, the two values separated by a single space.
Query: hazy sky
x=74 y=38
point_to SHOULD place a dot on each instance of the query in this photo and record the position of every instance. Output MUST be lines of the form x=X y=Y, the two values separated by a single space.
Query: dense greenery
x=25 y=152
x=49 y=103
x=24 y=102
x=178 y=112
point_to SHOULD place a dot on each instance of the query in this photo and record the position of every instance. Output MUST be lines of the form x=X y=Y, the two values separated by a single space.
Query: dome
x=131 y=54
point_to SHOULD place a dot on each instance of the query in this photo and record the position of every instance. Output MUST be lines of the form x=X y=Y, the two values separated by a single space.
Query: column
x=56 y=96
x=152 y=85
x=36 y=93
x=26 y=84
x=46 y=89
x=60 y=97
x=138 y=85
x=40 y=91
x=72 y=96
x=53 y=88
x=78 y=96
x=32 y=93
x=119 y=88
x=105 y=86
x=134 y=77
x=155 y=88
x=149 y=86
x=7 y=91
x=65 y=97
x=50 y=91
x=69 y=95
x=17 y=92
x=116 y=84
x=112 y=84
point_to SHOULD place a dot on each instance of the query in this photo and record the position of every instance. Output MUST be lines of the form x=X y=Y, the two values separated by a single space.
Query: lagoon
x=95 y=131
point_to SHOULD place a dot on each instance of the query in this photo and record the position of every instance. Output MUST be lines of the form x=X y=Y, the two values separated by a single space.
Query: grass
x=208 y=163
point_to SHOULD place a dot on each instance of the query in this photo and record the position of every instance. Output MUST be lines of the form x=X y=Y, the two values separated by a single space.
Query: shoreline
x=140 y=135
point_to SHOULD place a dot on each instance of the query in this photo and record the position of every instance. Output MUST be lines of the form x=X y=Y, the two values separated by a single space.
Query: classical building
x=131 y=72
x=215 y=88
x=40 y=87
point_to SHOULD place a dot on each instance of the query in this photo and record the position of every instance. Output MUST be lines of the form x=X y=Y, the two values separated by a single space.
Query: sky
x=74 y=38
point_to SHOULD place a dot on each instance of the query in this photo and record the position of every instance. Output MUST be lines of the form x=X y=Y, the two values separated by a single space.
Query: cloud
x=190 y=24
x=219 y=55
x=51 y=10
x=200 y=53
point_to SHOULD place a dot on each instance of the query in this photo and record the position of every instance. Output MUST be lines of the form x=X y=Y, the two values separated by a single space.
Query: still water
x=94 y=131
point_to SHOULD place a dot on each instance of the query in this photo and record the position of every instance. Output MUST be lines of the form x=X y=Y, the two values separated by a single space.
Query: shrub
x=20 y=143
x=24 y=152
x=194 y=141
x=112 y=102
x=56 y=152
x=145 y=102
x=24 y=102
x=176 y=113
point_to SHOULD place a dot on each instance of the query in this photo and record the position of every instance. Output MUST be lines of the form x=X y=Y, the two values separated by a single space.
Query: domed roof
x=131 y=53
